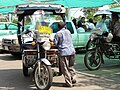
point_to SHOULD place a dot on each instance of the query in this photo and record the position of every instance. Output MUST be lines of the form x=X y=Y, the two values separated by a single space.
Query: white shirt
x=80 y=29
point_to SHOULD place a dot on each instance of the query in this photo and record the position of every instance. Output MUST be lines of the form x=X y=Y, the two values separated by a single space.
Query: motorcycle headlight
x=15 y=41
x=46 y=45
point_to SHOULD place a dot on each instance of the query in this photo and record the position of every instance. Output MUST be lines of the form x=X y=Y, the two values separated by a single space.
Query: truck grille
x=7 y=41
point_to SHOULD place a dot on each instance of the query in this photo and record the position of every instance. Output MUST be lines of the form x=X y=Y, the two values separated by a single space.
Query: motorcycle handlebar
x=26 y=32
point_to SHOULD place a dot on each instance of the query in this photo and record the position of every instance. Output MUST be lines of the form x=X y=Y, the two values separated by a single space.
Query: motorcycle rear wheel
x=43 y=81
x=91 y=61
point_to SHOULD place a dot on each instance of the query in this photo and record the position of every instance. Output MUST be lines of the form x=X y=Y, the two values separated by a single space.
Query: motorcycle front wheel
x=90 y=45
x=43 y=77
x=92 y=60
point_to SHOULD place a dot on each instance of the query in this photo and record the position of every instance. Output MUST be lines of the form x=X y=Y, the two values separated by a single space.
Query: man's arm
x=56 y=39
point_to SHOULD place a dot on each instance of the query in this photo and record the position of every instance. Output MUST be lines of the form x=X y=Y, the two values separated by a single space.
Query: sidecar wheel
x=25 y=71
x=91 y=62
x=43 y=80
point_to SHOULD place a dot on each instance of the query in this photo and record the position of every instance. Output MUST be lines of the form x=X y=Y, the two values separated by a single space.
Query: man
x=115 y=27
x=84 y=23
x=80 y=29
x=101 y=24
x=63 y=40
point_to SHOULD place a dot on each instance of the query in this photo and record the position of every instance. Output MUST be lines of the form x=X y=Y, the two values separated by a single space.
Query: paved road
x=106 y=78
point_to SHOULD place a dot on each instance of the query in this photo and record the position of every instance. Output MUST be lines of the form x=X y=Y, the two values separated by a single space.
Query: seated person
x=91 y=25
x=80 y=28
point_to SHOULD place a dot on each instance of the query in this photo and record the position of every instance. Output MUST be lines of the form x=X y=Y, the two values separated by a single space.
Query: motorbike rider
x=63 y=40
x=101 y=24
x=115 y=27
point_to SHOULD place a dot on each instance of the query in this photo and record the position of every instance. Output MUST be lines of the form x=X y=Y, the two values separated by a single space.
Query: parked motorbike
x=34 y=55
x=38 y=53
x=98 y=45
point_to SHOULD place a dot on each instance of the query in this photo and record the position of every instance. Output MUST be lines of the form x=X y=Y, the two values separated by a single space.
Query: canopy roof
x=31 y=8
x=6 y=10
x=66 y=3
x=102 y=12
x=12 y=2
x=116 y=10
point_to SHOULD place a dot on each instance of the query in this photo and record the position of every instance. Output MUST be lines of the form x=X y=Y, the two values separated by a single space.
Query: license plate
x=6 y=47
x=31 y=57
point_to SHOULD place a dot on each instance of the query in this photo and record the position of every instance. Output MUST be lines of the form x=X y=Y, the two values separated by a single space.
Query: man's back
x=63 y=39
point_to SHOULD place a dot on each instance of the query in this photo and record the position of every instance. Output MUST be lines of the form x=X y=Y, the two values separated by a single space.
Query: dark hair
x=91 y=20
x=104 y=16
x=82 y=17
x=61 y=25
x=74 y=21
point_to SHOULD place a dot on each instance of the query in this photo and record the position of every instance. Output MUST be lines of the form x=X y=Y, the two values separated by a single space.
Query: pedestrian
x=63 y=40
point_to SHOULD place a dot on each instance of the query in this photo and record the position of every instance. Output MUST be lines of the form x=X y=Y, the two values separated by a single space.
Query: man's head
x=103 y=16
x=83 y=19
x=61 y=25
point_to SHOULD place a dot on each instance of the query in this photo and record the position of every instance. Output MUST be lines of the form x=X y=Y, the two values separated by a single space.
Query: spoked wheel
x=43 y=80
x=25 y=70
x=92 y=60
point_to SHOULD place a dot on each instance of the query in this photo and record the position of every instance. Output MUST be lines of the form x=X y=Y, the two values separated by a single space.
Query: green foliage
x=90 y=12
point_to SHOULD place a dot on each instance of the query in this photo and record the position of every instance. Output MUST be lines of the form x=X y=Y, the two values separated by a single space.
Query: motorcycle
x=37 y=52
x=34 y=55
x=98 y=45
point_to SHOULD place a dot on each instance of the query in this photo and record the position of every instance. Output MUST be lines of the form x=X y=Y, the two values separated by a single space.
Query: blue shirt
x=63 y=39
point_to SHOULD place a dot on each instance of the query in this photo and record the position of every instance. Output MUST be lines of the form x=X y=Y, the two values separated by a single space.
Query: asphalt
x=106 y=78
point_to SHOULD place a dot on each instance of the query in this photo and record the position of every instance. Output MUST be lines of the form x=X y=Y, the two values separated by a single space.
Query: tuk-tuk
x=34 y=50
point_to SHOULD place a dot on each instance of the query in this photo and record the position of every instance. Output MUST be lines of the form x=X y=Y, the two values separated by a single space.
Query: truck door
x=72 y=29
